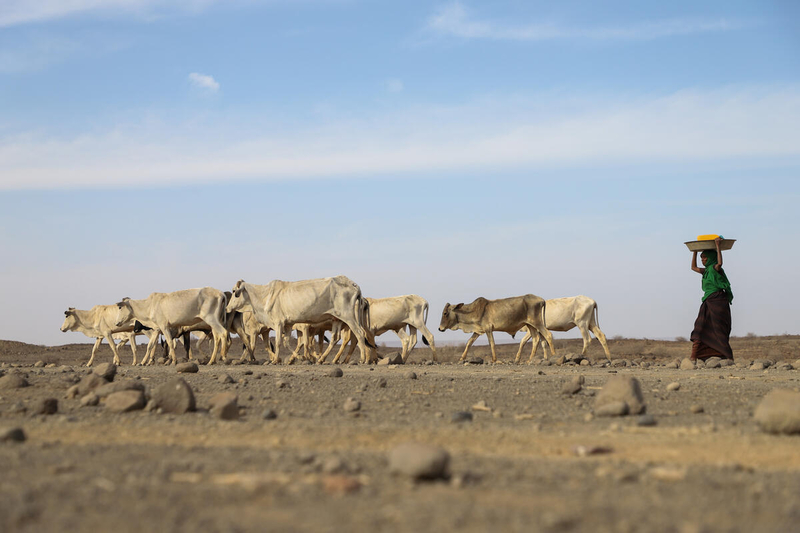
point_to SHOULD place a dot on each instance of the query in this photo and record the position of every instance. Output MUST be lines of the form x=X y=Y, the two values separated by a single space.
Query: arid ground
x=531 y=459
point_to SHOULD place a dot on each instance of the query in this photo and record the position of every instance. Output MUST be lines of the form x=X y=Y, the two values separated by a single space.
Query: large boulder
x=622 y=389
x=12 y=381
x=124 y=401
x=118 y=386
x=174 y=396
x=419 y=461
x=89 y=383
x=106 y=370
x=779 y=412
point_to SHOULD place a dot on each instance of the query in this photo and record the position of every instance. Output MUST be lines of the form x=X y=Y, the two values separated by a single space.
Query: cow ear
x=66 y=313
x=459 y=306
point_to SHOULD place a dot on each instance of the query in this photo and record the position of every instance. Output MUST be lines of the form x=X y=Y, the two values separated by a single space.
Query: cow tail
x=596 y=316
x=424 y=321
x=544 y=319
x=363 y=315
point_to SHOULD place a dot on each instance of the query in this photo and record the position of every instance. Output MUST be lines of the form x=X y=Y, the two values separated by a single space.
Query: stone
x=13 y=381
x=89 y=383
x=46 y=406
x=118 y=386
x=586 y=362
x=381 y=382
x=90 y=400
x=766 y=362
x=482 y=406
x=106 y=371
x=672 y=365
x=419 y=461
x=269 y=414
x=39 y=364
x=226 y=379
x=411 y=375
x=616 y=408
x=646 y=420
x=461 y=416
x=392 y=359
x=713 y=362
x=687 y=364
x=622 y=389
x=174 y=396
x=674 y=386
x=560 y=360
x=333 y=465
x=125 y=401
x=340 y=484
x=335 y=372
x=12 y=435
x=282 y=384
x=572 y=386
x=187 y=368
x=779 y=412
x=351 y=405
x=475 y=361
x=696 y=408
x=224 y=406
x=17 y=408
x=726 y=362
x=785 y=366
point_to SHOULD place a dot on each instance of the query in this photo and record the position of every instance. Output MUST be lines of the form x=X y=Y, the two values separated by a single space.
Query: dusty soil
x=315 y=467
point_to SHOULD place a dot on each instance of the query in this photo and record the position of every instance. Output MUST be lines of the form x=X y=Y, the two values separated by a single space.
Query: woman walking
x=712 y=329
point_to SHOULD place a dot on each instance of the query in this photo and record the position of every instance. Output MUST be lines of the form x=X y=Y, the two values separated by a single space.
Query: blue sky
x=450 y=149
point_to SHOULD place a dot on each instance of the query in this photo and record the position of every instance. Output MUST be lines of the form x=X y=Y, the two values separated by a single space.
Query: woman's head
x=708 y=257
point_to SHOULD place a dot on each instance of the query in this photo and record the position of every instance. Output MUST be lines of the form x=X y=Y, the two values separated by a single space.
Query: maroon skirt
x=712 y=329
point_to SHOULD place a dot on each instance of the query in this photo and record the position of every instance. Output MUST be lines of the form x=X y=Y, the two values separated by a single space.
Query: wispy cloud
x=204 y=81
x=33 y=53
x=503 y=135
x=456 y=20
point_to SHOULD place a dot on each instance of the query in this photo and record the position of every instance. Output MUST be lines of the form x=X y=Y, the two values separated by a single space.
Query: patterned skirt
x=712 y=329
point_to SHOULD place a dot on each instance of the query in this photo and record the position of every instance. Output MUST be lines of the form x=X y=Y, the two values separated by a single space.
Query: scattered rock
x=461 y=416
x=47 y=406
x=12 y=435
x=785 y=366
x=124 y=401
x=419 y=461
x=187 y=368
x=106 y=371
x=481 y=406
x=758 y=366
x=225 y=406
x=381 y=382
x=713 y=362
x=282 y=384
x=333 y=465
x=89 y=383
x=474 y=361
x=340 y=484
x=726 y=362
x=392 y=359
x=560 y=360
x=351 y=405
x=779 y=412
x=573 y=386
x=411 y=375
x=621 y=389
x=586 y=362
x=696 y=409
x=269 y=414
x=39 y=364
x=646 y=420
x=674 y=386
x=174 y=396
x=335 y=372
x=584 y=451
x=90 y=400
x=687 y=364
x=118 y=386
x=13 y=381
x=226 y=379
x=615 y=408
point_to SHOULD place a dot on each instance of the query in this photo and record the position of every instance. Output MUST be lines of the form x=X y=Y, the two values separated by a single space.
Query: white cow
x=168 y=311
x=395 y=313
x=279 y=305
x=563 y=314
x=99 y=322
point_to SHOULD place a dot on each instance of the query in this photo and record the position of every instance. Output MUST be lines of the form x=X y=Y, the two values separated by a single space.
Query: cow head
x=71 y=321
x=239 y=299
x=124 y=313
x=449 y=317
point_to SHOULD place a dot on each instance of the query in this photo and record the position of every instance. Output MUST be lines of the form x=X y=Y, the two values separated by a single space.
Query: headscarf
x=714 y=281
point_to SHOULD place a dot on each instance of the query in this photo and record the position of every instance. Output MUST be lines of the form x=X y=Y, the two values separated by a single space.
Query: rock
x=646 y=420
x=13 y=381
x=672 y=365
x=474 y=361
x=351 y=405
x=174 y=396
x=482 y=406
x=392 y=359
x=419 y=461
x=381 y=382
x=766 y=362
x=340 y=484
x=560 y=360
x=713 y=362
x=785 y=366
x=187 y=368
x=586 y=362
x=335 y=372
x=106 y=371
x=622 y=389
x=616 y=408
x=333 y=465
x=674 y=386
x=89 y=383
x=282 y=384
x=226 y=379
x=461 y=416
x=124 y=401
x=572 y=386
x=411 y=375
x=118 y=386
x=726 y=362
x=779 y=412
x=90 y=400
x=269 y=414
x=224 y=406
x=12 y=435
x=39 y=364
x=47 y=406
x=696 y=408
x=687 y=364
x=758 y=366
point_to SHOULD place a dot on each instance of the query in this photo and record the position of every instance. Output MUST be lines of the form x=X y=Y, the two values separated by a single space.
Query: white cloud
x=455 y=20
x=502 y=135
x=204 y=81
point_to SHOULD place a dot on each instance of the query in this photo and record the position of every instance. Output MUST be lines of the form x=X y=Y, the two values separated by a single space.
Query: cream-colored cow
x=99 y=323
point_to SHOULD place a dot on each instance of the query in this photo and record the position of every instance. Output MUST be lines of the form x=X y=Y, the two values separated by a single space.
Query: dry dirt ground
x=315 y=467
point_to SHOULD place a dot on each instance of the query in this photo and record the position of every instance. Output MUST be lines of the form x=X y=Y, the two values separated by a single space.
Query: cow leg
x=602 y=338
x=133 y=348
x=113 y=346
x=350 y=350
x=346 y=339
x=411 y=342
x=469 y=343
x=357 y=330
x=522 y=343
x=97 y=342
x=335 y=336
x=427 y=338
x=545 y=333
x=171 y=342
x=587 y=340
x=490 y=335
x=535 y=345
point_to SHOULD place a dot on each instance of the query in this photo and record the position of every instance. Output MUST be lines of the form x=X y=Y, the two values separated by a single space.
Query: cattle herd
x=314 y=308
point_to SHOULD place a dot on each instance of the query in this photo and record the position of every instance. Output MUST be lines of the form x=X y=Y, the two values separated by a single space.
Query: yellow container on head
x=706 y=237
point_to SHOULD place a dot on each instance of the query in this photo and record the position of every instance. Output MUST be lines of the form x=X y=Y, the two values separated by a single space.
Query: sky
x=446 y=149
